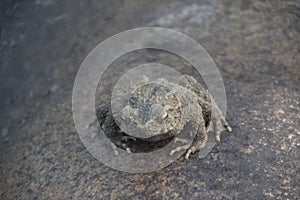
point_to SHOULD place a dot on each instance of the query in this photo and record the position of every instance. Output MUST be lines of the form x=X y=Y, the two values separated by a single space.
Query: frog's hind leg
x=220 y=124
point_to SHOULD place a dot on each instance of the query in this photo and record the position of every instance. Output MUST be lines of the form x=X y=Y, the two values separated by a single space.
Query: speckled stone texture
x=256 y=45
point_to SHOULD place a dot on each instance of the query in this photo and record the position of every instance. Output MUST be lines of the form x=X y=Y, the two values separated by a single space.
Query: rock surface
x=256 y=47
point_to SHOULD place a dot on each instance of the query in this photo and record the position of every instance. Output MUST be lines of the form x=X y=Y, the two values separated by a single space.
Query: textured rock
x=256 y=47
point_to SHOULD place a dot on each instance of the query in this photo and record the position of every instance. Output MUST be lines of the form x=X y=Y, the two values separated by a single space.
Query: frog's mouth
x=140 y=131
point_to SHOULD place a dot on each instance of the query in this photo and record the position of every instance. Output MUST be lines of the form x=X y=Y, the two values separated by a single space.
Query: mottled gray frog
x=159 y=109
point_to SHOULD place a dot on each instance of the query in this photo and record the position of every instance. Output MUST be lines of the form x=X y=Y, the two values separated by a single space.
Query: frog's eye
x=164 y=115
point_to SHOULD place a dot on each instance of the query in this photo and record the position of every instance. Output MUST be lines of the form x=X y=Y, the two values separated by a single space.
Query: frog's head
x=152 y=109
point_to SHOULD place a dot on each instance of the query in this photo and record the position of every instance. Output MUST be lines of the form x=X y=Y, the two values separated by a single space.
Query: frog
x=159 y=109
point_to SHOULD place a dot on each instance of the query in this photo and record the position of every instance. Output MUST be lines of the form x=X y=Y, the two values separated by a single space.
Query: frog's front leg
x=112 y=130
x=199 y=141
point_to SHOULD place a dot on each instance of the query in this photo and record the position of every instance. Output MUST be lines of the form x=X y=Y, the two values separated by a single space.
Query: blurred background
x=256 y=45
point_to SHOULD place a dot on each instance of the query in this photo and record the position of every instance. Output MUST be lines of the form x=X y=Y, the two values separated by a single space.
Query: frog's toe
x=189 y=152
x=126 y=148
x=126 y=138
x=218 y=139
x=227 y=128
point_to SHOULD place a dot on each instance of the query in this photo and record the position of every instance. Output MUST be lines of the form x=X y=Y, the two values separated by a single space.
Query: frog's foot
x=220 y=126
x=122 y=146
x=180 y=148
x=127 y=149
x=121 y=143
x=116 y=151
x=198 y=143
x=227 y=128
x=189 y=152
x=125 y=138
x=124 y=141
